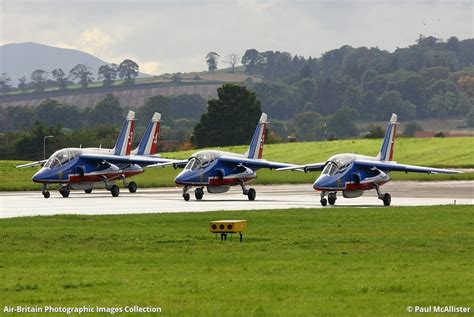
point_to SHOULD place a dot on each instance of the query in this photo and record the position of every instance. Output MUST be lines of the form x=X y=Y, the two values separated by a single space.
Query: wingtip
x=263 y=117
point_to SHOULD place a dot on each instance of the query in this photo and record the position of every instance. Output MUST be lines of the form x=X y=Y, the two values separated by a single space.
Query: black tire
x=115 y=190
x=251 y=194
x=64 y=191
x=46 y=194
x=198 y=193
x=332 y=200
x=387 y=199
x=132 y=187
x=88 y=191
x=324 y=202
x=186 y=196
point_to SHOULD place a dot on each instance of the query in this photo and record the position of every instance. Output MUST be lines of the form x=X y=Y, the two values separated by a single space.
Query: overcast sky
x=174 y=36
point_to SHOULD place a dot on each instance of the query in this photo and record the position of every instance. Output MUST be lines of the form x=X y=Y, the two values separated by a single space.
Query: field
x=342 y=262
x=435 y=152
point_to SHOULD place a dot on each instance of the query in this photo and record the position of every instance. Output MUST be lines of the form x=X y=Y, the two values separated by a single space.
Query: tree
x=232 y=59
x=154 y=104
x=309 y=126
x=411 y=128
x=176 y=78
x=22 y=84
x=107 y=74
x=39 y=77
x=128 y=69
x=466 y=85
x=5 y=81
x=352 y=98
x=306 y=72
x=230 y=119
x=470 y=118
x=82 y=73
x=107 y=111
x=341 y=124
x=58 y=74
x=443 y=104
x=388 y=103
x=211 y=60
x=253 y=61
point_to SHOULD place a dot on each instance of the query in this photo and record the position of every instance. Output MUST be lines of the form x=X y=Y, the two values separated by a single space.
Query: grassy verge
x=337 y=262
x=435 y=152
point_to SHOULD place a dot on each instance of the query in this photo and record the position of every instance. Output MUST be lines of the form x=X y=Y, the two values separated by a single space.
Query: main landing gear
x=250 y=193
x=132 y=186
x=64 y=191
x=385 y=197
x=199 y=192
x=331 y=199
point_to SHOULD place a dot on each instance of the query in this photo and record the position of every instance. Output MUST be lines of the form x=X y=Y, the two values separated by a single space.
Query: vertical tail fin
x=386 y=151
x=123 y=146
x=149 y=143
x=255 y=150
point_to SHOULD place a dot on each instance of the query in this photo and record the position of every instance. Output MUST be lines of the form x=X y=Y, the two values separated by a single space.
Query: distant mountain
x=21 y=59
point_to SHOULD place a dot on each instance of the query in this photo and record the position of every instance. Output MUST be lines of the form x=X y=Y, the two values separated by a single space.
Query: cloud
x=168 y=36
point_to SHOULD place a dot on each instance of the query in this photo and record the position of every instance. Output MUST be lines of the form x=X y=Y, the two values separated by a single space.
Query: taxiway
x=159 y=200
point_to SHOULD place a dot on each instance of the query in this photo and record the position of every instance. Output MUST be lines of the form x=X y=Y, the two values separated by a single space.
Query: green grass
x=435 y=152
x=325 y=262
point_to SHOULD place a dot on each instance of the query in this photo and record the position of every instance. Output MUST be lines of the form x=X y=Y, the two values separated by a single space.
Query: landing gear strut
x=385 y=197
x=185 y=193
x=45 y=191
x=198 y=193
x=250 y=193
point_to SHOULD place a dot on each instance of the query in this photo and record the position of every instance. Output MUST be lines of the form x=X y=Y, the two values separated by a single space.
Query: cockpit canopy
x=61 y=157
x=338 y=163
x=201 y=159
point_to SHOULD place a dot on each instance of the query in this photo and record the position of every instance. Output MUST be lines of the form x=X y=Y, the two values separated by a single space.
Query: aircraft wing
x=174 y=163
x=42 y=162
x=304 y=168
x=131 y=159
x=253 y=163
x=389 y=166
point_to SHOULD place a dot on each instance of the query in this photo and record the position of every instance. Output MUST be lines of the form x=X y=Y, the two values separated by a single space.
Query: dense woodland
x=309 y=98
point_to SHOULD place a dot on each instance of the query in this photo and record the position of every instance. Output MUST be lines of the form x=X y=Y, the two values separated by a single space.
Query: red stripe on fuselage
x=228 y=181
x=100 y=178
x=352 y=186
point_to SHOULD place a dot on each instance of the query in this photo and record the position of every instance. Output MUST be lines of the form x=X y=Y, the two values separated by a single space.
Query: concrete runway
x=100 y=202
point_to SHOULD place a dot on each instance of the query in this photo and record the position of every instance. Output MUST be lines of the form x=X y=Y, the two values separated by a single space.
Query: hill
x=21 y=59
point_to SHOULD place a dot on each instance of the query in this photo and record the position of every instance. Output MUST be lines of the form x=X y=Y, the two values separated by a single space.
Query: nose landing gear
x=385 y=197
x=251 y=193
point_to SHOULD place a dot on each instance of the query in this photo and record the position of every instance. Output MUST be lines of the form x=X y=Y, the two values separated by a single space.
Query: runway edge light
x=225 y=227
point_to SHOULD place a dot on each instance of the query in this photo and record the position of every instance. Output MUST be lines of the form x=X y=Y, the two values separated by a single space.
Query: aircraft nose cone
x=182 y=177
x=322 y=182
x=39 y=176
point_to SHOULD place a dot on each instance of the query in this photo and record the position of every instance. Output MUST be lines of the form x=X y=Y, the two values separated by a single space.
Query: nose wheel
x=185 y=193
x=45 y=191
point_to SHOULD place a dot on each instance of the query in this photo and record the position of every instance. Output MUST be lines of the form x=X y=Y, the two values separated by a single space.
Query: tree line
x=430 y=79
x=127 y=70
